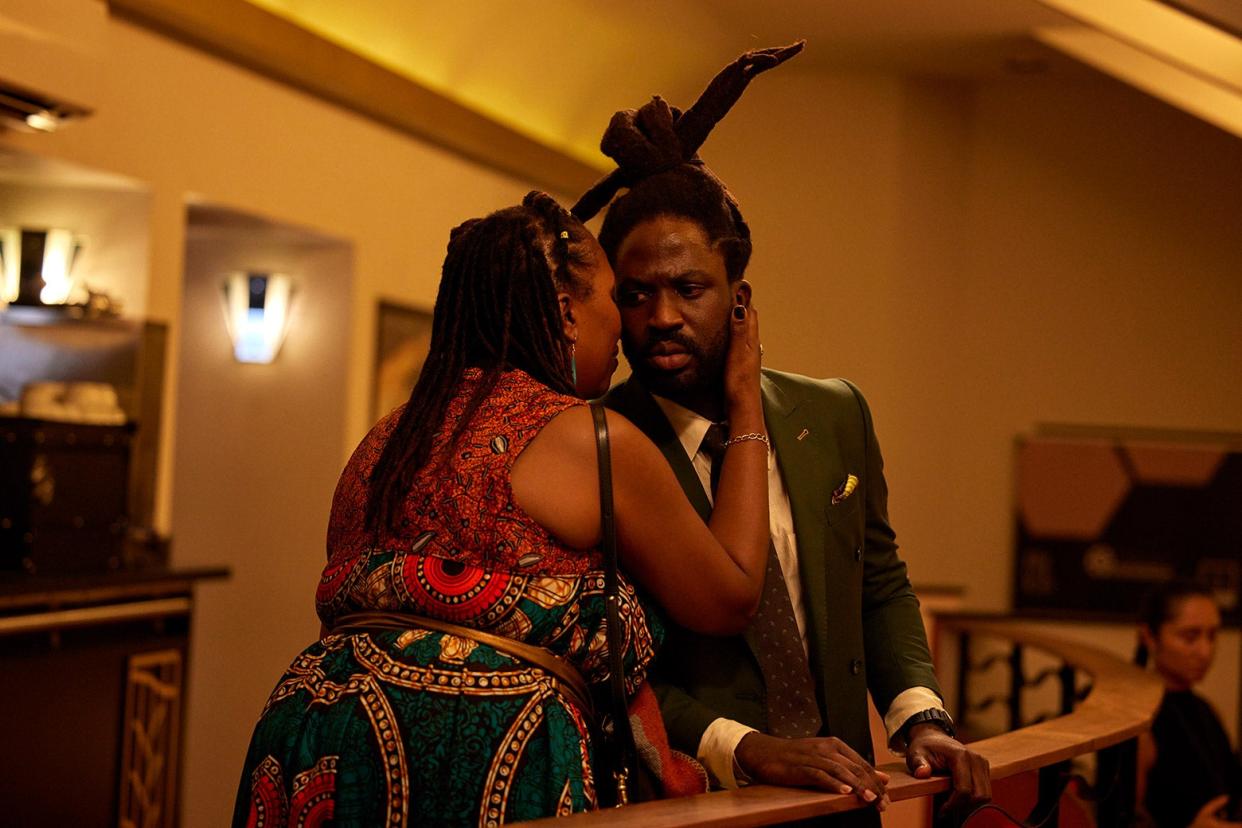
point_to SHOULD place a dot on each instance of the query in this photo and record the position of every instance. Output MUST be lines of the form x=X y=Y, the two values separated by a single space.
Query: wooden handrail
x=1122 y=703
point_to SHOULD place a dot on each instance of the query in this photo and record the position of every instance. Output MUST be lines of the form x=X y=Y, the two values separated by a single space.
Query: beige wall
x=978 y=259
x=188 y=125
x=190 y=128
x=982 y=259
x=256 y=460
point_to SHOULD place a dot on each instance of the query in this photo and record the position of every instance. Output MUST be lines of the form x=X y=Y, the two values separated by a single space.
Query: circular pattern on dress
x=457 y=591
x=336 y=582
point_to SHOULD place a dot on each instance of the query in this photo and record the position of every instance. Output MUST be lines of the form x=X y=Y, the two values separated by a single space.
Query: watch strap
x=932 y=716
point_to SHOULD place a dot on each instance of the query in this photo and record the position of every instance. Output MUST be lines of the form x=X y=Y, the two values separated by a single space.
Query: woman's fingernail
x=869 y=795
x=739 y=312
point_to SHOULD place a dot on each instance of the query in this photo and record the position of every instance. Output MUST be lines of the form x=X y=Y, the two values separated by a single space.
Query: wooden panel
x=62 y=718
x=150 y=740
x=269 y=44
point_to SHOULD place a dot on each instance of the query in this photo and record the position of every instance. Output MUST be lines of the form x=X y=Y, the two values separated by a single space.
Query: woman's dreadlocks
x=496 y=309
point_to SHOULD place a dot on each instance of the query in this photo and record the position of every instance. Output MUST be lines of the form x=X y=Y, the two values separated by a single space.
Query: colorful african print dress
x=418 y=727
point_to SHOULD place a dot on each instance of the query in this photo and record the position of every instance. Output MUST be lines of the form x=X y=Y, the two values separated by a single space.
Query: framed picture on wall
x=1104 y=515
x=403 y=336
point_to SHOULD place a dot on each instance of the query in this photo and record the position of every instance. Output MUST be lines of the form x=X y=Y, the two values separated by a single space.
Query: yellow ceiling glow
x=1165 y=33
x=465 y=56
x=1188 y=91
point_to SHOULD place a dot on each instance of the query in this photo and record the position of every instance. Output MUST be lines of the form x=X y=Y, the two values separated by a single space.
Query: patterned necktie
x=773 y=634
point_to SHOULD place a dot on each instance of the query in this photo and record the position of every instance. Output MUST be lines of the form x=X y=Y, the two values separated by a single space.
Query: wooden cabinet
x=94 y=697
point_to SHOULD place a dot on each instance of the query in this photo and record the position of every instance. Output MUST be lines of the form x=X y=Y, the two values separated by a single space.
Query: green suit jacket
x=863 y=624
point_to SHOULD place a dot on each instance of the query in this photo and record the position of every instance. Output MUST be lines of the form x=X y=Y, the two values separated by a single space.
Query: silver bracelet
x=754 y=435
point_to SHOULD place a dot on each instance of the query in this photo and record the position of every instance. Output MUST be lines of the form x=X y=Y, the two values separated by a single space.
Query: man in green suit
x=786 y=703
x=679 y=247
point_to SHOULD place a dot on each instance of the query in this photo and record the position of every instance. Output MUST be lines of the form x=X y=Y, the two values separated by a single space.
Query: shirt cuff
x=716 y=749
x=908 y=702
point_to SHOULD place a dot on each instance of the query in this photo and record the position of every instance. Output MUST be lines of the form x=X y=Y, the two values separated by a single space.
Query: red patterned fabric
x=312 y=803
x=461 y=507
x=678 y=774
x=464 y=551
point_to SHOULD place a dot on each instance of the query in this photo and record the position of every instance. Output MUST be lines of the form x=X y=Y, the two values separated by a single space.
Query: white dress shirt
x=720 y=739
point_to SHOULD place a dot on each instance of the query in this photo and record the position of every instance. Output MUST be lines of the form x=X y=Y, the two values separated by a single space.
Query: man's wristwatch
x=931 y=716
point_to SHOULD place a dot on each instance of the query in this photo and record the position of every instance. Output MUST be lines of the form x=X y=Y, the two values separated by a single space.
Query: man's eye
x=690 y=291
x=630 y=297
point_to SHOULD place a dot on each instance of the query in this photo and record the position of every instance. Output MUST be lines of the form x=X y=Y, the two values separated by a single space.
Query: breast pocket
x=840 y=514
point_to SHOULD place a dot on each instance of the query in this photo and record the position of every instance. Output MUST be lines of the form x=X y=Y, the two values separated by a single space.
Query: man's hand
x=930 y=749
x=826 y=763
x=1207 y=818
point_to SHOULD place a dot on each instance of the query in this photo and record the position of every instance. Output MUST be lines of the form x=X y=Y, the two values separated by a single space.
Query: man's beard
x=703 y=373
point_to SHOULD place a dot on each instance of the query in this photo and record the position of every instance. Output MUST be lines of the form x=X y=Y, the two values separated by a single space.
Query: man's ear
x=570 y=324
x=741 y=293
x=1147 y=638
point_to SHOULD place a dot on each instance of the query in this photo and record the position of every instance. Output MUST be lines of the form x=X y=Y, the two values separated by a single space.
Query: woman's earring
x=573 y=362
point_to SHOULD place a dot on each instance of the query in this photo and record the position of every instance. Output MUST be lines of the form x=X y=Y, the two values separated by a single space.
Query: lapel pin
x=802 y=436
x=845 y=489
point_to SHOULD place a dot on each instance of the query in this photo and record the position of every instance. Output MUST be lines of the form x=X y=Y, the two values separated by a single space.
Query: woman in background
x=1187 y=770
x=463 y=594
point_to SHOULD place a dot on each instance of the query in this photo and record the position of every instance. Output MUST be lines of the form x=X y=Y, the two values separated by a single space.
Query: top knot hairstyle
x=496 y=309
x=656 y=150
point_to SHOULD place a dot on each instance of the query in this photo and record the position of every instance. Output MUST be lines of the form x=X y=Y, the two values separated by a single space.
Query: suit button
x=855 y=666
x=858 y=553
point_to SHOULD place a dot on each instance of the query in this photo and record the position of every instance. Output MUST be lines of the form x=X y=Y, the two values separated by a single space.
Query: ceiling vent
x=30 y=112
x=51 y=61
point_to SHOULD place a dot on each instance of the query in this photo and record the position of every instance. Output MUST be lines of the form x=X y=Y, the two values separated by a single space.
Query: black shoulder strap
x=622 y=736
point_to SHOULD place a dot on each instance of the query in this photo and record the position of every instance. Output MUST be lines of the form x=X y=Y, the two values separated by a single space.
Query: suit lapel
x=635 y=402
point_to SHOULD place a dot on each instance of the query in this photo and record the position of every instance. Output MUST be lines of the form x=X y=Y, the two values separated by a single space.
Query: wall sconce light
x=256 y=307
x=35 y=265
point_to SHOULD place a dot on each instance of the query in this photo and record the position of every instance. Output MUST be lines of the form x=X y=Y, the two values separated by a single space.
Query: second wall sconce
x=256 y=306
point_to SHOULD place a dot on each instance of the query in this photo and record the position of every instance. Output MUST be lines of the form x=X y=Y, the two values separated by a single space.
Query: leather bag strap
x=622 y=736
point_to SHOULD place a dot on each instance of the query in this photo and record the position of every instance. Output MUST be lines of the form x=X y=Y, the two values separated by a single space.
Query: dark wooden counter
x=94 y=672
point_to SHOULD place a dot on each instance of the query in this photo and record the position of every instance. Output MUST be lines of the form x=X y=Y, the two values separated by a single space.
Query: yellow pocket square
x=845 y=489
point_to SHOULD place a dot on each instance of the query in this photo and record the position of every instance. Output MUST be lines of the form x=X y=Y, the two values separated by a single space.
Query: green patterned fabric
x=421 y=727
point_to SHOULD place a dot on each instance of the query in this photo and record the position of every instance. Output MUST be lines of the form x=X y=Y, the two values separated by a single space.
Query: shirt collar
x=690 y=427
x=687 y=425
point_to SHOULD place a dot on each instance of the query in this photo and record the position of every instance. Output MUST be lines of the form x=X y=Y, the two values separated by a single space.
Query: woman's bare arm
x=708 y=577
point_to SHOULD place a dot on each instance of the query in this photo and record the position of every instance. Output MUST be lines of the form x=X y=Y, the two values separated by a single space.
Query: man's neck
x=706 y=404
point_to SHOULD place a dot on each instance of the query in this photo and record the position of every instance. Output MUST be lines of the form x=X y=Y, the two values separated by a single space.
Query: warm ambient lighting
x=1189 y=92
x=1166 y=33
x=43 y=121
x=1158 y=49
x=256 y=306
x=36 y=265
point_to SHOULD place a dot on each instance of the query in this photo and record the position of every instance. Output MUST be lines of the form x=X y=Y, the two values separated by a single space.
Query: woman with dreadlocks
x=463 y=597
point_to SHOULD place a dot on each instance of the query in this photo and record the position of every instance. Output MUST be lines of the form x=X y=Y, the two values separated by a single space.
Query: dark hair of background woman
x=496 y=309
x=1161 y=604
